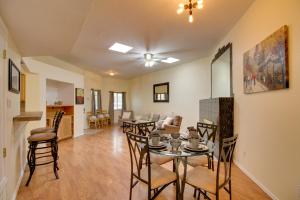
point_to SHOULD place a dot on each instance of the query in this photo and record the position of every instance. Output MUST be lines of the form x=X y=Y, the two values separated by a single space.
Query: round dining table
x=180 y=156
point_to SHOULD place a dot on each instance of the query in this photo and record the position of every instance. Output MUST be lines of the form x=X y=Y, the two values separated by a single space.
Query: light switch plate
x=8 y=103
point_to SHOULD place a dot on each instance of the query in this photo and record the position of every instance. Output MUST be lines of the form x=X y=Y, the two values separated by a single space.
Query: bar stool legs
x=32 y=156
x=31 y=160
x=54 y=155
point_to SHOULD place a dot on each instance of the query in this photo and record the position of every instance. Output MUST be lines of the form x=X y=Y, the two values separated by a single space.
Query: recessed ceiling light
x=170 y=60
x=120 y=48
x=111 y=73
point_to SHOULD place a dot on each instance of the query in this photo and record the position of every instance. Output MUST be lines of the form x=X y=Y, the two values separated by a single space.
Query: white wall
x=46 y=71
x=59 y=91
x=267 y=123
x=188 y=84
x=14 y=133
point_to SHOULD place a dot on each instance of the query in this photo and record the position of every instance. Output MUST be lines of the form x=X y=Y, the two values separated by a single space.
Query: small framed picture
x=13 y=77
x=79 y=96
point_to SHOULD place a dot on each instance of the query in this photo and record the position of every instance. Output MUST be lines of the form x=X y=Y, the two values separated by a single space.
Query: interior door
x=2 y=133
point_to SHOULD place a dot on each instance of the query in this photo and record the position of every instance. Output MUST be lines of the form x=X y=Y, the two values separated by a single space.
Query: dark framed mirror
x=221 y=73
x=161 y=92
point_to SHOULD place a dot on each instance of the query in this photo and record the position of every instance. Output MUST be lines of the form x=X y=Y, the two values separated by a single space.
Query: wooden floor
x=96 y=166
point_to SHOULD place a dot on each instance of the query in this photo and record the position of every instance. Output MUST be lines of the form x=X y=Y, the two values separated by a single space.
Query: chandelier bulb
x=191 y=19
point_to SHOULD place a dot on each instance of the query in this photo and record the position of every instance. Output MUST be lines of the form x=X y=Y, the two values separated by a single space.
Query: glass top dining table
x=180 y=156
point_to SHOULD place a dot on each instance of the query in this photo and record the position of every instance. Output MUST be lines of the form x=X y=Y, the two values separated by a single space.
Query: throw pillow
x=177 y=121
x=163 y=117
x=206 y=121
x=159 y=124
x=167 y=121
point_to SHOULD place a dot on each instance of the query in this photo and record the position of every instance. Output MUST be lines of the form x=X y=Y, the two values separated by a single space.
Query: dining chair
x=207 y=181
x=156 y=177
x=207 y=133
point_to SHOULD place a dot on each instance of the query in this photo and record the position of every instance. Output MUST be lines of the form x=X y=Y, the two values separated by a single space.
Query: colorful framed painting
x=266 y=65
x=79 y=96
x=14 y=77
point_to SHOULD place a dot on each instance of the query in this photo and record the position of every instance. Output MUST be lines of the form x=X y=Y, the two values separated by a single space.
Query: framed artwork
x=266 y=65
x=161 y=92
x=14 y=77
x=79 y=96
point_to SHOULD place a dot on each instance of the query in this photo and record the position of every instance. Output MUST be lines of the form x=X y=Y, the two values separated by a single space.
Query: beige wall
x=188 y=84
x=267 y=123
x=13 y=132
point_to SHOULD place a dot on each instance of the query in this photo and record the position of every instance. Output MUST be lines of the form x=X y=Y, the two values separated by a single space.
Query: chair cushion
x=198 y=161
x=167 y=121
x=203 y=178
x=160 y=176
x=126 y=115
x=159 y=159
x=41 y=137
x=42 y=130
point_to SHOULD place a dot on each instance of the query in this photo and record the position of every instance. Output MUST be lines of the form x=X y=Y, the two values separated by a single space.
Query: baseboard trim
x=14 y=197
x=256 y=181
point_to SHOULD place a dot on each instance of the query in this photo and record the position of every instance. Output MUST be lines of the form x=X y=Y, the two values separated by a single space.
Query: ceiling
x=81 y=31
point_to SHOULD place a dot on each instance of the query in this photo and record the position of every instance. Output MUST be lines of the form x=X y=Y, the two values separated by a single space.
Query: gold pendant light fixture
x=189 y=6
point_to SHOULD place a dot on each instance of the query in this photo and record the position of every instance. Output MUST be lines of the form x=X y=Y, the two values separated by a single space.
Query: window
x=118 y=101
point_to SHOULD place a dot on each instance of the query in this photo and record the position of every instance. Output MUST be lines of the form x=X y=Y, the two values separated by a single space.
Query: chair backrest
x=207 y=132
x=226 y=155
x=139 y=155
x=55 y=118
x=58 y=120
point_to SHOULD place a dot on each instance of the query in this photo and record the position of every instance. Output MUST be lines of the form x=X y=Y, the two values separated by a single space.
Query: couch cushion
x=145 y=117
x=126 y=115
x=155 y=117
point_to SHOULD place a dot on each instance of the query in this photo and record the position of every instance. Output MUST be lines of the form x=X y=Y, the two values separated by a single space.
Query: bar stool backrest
x=57 y=122
x=55 y=118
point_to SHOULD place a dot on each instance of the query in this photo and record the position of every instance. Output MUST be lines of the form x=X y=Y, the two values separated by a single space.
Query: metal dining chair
x=207 y=133
x=207 y=181
x=156 y=177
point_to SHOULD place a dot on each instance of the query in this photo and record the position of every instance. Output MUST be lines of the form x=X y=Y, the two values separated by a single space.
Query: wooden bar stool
x=47 y=129
x=47 y=142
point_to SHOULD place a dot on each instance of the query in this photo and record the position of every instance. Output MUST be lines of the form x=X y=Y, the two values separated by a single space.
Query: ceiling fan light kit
x=189 y=6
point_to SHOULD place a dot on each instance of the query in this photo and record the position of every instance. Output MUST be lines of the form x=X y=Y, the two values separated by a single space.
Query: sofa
x=165 y=123
x=125 y=116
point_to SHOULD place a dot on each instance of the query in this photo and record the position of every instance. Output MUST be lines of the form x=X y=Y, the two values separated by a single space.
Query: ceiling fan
x=150 y=60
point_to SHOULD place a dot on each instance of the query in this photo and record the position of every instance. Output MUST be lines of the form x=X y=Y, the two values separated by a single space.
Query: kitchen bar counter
x=28 y=116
